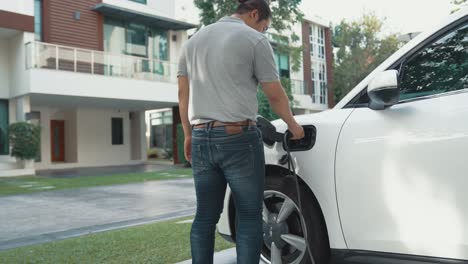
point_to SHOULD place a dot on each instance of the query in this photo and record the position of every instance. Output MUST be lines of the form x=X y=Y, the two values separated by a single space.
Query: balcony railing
x=298 y=87
x=41 y=55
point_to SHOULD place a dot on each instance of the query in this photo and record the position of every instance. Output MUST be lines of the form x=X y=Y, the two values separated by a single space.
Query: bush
x=25 y=139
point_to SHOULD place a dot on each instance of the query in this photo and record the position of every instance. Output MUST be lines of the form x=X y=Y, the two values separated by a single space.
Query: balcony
x=41 y=55
x=74 y=77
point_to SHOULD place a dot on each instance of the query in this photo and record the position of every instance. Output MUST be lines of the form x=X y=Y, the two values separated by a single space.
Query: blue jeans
x=219 y=158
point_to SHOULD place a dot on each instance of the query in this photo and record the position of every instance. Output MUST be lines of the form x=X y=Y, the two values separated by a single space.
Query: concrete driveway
x=47 y=216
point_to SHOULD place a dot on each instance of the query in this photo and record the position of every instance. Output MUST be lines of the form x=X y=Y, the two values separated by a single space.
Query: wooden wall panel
x=61 y=27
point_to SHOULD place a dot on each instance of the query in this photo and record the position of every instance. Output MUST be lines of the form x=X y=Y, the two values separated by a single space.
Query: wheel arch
x=277 y=170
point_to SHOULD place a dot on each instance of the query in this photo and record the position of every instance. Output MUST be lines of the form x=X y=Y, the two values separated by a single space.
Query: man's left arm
x=184 y=93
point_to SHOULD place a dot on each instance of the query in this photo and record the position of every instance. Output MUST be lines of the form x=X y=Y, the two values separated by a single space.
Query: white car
x=387 y=179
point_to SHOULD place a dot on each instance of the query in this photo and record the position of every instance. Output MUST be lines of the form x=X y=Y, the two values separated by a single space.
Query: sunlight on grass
x=163 y=242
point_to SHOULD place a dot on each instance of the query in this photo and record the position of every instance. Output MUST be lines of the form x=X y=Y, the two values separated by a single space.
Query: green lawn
x=28 y=184
x=164 y=242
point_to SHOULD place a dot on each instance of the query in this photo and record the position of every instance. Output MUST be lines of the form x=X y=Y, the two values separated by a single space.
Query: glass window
x=440 y=67
x=160 y=45
x=160 y=50
x=4 y=146
x=282 y=63
x=38 y=19
x=139 y=1
x=318 y=64
x=117 y=131
x=136 y=40
x=114 y=36
x=161 y=130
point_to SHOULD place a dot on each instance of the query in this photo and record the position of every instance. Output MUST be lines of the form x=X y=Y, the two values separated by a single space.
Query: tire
x=277 y=188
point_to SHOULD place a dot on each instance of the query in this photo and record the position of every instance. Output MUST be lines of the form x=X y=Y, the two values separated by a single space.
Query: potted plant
x=25 y=142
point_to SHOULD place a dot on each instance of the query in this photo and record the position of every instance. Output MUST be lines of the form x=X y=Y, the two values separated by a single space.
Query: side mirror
x=383 y=90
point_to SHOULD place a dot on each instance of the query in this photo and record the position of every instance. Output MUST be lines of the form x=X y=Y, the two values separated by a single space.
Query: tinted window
x=440 y=67
x=117 y=131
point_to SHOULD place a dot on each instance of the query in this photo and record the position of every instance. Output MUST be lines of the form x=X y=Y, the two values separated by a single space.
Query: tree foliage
x=440 y=67
x=25 y=140
x=285 y=14
x=459 y=4
x=360 y=49
x=264 y=108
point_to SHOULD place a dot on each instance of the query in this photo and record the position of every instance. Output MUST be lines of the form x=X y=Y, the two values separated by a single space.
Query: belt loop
x=249 y=123
x=210 y=125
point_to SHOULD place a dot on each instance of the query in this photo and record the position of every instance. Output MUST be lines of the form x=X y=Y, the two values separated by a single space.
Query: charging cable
x=292 y=168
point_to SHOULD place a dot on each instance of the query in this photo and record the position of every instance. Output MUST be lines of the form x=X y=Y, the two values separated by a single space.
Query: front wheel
x=286 y=228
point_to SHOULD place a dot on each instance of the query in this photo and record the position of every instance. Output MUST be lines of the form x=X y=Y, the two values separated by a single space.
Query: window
x=160 y=50
x=136 y=40
x=38 y=19
x=323 y=84
x=117 y=131
x=440 y=67
x=139 y=1
x=282 y=63
x=318 y=64
x=114 y=36
x=121 y=37
x=4 y=146
x=161 y=130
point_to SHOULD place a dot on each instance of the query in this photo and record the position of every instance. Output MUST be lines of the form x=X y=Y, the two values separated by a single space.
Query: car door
x=402 y=173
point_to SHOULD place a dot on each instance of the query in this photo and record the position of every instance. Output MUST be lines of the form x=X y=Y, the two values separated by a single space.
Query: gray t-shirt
x=225 y=62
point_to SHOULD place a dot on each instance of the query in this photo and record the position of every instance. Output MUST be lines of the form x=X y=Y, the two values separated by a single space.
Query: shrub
x=25 y=140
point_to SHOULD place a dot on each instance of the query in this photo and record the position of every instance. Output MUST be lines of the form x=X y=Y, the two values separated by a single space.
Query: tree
x=285 y=14
x=360 y=49
x=459 y=4
x=264 y=108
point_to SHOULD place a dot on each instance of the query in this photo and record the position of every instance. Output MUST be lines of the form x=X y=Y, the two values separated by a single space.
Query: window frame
x=354 y=103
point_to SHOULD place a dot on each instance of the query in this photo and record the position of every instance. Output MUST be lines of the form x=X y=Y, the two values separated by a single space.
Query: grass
x=29 y=184
x=163 y=242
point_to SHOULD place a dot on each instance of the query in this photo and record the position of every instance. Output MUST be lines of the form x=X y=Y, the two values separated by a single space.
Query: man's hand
x=188 y=148
x=297 y=131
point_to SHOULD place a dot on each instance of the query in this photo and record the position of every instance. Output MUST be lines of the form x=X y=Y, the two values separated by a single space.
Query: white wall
x=88 y=138
x=25 y=7
x=19 y=82
x=175 y=47
x=185 y=10
x=71 y=136
x=95 y=138
x=81 y=84
x=4 y=69
x=299 y=75
x=152 y=9
x=163 y=6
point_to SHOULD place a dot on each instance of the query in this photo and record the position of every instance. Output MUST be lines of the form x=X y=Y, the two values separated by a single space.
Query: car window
x=440 y=67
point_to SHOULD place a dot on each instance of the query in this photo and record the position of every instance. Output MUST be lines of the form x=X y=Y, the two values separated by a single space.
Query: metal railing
x=42 y=55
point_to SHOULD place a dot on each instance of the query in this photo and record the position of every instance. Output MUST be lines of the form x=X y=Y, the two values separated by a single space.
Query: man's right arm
x=267 y=74
x=279 y=101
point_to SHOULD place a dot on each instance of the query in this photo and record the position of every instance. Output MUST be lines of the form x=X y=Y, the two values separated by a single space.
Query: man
x=219 y=72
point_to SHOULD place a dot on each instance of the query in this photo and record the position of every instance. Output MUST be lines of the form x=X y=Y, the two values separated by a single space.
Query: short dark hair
x=262 y=6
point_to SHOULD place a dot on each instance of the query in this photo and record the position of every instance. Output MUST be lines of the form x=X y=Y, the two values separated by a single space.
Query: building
x=87 y=71
x=312 y=84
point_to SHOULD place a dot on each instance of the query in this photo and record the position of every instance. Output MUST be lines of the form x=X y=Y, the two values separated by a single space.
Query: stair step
x=9 y=166
x=17 y=172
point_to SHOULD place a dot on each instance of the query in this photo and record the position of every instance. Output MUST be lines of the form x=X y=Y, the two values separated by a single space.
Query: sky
x=402 y=16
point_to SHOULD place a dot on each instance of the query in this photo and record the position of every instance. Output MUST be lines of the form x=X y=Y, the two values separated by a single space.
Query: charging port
x=303 y=144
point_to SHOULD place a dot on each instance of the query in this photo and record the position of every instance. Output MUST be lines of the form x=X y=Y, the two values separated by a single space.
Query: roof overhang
x=144 y=18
